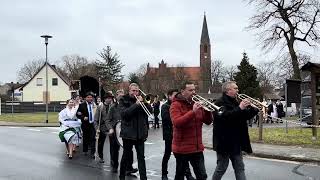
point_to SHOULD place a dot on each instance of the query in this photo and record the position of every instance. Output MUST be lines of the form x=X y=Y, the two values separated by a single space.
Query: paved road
x=36 y=153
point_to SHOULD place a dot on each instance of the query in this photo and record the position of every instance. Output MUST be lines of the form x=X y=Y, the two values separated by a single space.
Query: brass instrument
x=254 y=103
x=144 y=107
x=206 y=104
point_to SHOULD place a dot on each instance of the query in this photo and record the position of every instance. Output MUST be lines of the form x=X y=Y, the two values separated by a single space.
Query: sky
x=140 y=31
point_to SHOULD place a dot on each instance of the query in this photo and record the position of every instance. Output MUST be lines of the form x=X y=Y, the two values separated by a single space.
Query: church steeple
x=205 y=58
x=205 y=35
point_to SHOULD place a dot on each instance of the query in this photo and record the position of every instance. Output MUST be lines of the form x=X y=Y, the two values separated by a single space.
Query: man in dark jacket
x=112 y=118
x=134 y=129
x=167 y=136
x=156 y=111
x=86 y=113
x=100 y=118
x=280 y=110
x=230 y=132
x=187 y=119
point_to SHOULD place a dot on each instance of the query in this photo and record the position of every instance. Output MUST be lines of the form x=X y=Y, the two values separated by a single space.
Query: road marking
x=55 y=132
x=13 y=127
x=274 y=160
x=53 y=128
x=37 y=130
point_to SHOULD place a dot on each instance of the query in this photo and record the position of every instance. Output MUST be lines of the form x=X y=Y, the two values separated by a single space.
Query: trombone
x=144 y=107
x=206 y=104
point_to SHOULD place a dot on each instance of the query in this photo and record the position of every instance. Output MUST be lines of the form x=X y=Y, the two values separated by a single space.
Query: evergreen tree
x=246 y=78
x=133 y=78
x=109 y=68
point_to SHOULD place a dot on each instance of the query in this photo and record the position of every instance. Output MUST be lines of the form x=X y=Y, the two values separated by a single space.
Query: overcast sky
x=140 y=31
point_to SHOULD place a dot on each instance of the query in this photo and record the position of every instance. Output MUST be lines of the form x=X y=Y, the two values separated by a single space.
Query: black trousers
x=166 y=157
x=102 y=139
x=156 y=121
x=114 y=151
x=127 y=154
x=197 y=162
x=89 y=134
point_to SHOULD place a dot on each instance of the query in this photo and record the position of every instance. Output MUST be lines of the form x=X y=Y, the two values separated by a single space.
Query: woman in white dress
x=70 y=129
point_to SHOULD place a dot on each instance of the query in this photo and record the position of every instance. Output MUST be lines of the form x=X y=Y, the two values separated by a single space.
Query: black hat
x=108 y=95
x=90 y=94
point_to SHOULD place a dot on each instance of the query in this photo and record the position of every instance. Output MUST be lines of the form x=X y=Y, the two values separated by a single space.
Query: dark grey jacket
x=134 y=121
x=103 y=124
x=166 y=121
x=113 y=116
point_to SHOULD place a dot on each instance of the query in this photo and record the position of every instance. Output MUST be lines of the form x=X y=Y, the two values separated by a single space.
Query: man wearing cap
x=101 y=124
x=86 y=113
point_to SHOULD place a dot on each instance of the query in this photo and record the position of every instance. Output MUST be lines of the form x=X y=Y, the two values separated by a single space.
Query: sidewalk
x=293 y=153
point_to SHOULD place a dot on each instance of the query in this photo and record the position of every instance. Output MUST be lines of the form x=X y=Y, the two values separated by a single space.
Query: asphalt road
x=37 y=153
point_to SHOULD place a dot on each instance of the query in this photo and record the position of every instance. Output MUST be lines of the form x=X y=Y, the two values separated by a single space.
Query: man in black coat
x=156 y=111
x=134 y=129
x=167 y=136
x=86 y=113
x=113 y=117
x=230 y=132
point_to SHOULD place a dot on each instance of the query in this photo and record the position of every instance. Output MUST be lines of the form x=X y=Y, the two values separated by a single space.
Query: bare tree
x=29 y=70
x=216 y=71
x=285 y=23
x=180 y=75
x=229 y=72
x=266 y=76
x=75 y=66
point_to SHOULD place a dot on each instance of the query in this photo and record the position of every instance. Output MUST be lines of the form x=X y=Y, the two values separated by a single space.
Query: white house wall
x=32 y=92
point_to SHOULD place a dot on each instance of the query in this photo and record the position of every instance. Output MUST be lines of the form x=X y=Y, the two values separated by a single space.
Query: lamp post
x=46 y=37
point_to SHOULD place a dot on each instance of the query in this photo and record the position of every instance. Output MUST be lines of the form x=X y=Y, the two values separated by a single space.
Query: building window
x=39 y=81
x=54 y=81
x=205 y=48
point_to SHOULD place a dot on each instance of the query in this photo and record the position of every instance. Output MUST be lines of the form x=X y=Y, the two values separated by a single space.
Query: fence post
x=260 y=125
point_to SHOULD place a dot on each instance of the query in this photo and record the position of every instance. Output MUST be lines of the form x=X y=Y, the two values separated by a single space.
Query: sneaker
x=190 y=177
x=130 y=171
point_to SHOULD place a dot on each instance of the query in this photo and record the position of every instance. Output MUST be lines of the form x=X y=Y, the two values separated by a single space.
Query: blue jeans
x=222 y=165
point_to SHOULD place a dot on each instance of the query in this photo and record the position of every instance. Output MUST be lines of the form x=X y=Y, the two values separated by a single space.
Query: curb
x=29 y=125
x=279 y=157
x=287 y=158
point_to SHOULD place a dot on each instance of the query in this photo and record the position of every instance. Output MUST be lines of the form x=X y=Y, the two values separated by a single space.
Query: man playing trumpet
x=230 y=132
x=134 y=129
x=187 y=119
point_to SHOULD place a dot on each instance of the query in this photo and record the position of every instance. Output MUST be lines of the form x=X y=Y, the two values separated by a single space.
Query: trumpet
x=144 y=107
x=254 y=103
x=206 y=104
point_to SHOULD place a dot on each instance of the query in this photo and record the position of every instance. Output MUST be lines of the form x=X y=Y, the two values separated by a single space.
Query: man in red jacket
x=187 y=118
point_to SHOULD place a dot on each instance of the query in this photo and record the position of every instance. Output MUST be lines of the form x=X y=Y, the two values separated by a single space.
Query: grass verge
x=295 y=136
x=38 y=117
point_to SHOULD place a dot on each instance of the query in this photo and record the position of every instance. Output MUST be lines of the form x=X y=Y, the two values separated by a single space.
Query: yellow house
x=35 y=88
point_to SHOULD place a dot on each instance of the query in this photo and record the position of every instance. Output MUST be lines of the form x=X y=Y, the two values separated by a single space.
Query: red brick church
x=160 y=79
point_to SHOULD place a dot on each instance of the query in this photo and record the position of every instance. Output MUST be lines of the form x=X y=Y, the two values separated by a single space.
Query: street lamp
x=46 y=37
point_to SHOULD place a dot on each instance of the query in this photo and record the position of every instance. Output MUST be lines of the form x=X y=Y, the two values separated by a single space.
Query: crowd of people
x=90 y=122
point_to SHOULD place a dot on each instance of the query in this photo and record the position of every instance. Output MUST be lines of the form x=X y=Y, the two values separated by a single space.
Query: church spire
x=205 y=35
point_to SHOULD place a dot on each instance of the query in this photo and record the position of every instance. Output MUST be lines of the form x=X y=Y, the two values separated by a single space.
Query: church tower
x=205 y=59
